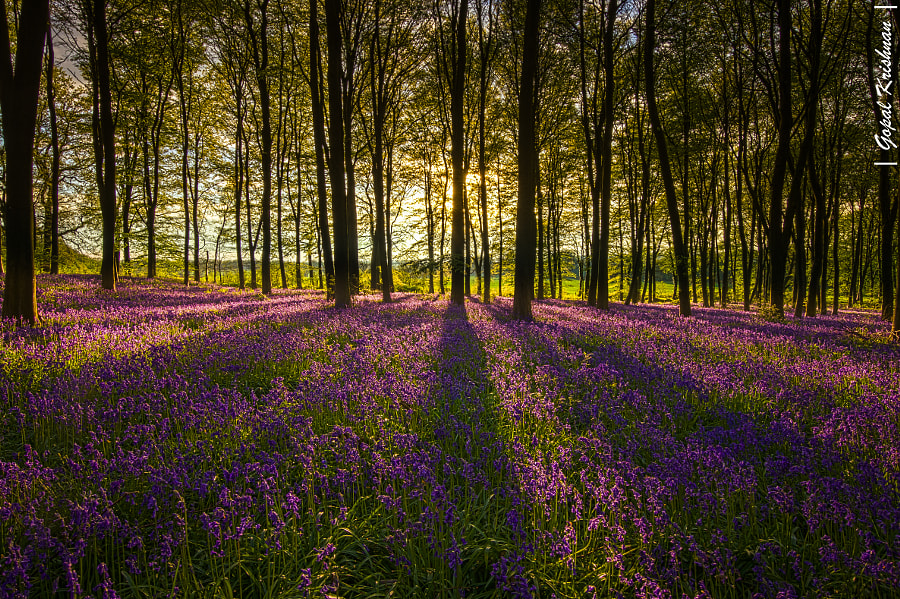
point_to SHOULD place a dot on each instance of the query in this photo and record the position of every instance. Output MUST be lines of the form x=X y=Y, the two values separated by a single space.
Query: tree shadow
x=669 y=433
x=467 y=428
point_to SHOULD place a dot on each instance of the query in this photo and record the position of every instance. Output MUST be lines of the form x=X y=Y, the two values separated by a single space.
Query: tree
x=598 y=127
x=260 y=47
x=486 y=53
x=525 y=220
x=680 y=251
x=453 y=68
x=104 y=131
x=19 y=89
x=53 y=229
x=318 y=117
x=386 y=72
x=336 y=157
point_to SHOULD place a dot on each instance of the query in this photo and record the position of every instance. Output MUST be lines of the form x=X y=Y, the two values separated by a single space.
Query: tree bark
x=457 y=98
x=606 y=154
x=336 y=158
x=486 y=52
x=19 y=90
x=318 y=114
x=105 y=137
x=681 y=256
x=779 y=234
x=260 y=46
x=54 y=166
x=525 y=220
x=379 y=109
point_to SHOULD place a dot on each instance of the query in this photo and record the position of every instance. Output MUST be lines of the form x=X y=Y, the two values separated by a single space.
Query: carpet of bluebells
x=204 y=442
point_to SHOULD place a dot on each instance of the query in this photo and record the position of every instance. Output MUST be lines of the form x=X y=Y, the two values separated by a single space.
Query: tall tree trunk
x=379 y=109
x=318 y=114
x=819 y=249
x=186 y=105
x=609 y=90
x=485 y=47
x=800 y=256
x=429 y=208
x=54 y=165
x=260 y=46
x=131 y=163
x=681 y=257
x=251 y=241
x=195 y=202
x=779 y=234
x=836 y=287
x=796 y=197
x=348 y=96
x=104 y=137
x=19 y=91
x=539 y=197
x=457 y=124
x=238 y=187
x=336 y=158
x=525 y=221
x=743 y=124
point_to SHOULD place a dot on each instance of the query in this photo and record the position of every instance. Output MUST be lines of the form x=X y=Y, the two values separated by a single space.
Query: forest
x=194 y=139
x=373 y=298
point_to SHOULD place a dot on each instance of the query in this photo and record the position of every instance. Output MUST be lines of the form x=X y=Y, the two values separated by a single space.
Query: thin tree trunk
x=238 y=187
x=54 y=166
x=819 y=250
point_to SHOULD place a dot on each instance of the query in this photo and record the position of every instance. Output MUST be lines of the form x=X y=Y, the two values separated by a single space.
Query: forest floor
x=206 y=442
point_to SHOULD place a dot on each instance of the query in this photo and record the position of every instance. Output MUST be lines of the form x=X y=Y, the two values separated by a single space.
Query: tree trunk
x=104 y=138
x=195 y=203
x=19 y=94
x=485 y=48
x=539 y=197
x=606 y=154
x=779 y=235
x=525 y=221
x=260 y=48
x=379 y=109
x=457 y=124
x=429 y=208
x=318 y=114
x=816 y=278
x=681 y=257
x=336 y=158
x=54 y=166
x=238 y=187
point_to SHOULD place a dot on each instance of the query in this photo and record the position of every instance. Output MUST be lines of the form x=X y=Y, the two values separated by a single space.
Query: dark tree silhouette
x=19 y=88
x=318 y=115
x=104 y=130
x=525 y=220
x=680 y=250
x=457 y=125
x=336 y=157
